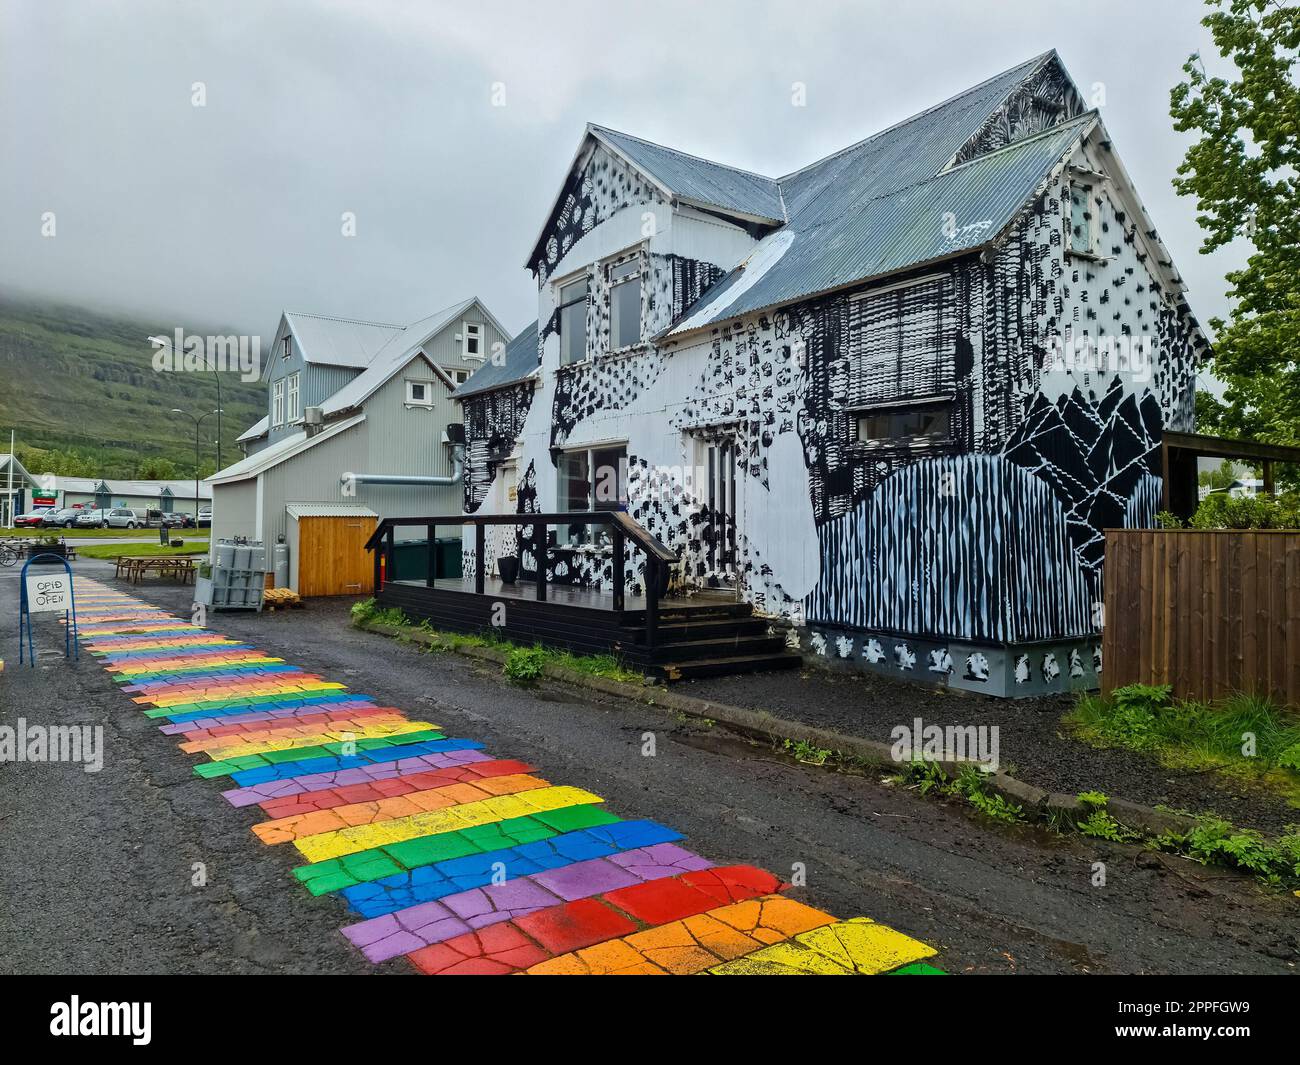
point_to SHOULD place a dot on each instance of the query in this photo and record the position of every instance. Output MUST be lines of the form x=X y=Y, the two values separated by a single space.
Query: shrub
x=524 y=664
x=1222 y=511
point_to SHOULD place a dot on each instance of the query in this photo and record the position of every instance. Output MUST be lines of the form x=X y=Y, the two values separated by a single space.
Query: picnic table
x=134 y=567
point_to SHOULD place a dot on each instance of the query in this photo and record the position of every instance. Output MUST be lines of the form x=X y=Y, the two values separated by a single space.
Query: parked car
x=177 y=519
x=205 y=517
x=90 y=519
x=61 y=518
x=32 y=519
x=126 y=518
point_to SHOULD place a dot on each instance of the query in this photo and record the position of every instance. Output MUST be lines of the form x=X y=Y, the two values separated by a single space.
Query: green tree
x=1242 y=170
x=156 y=470
x=1222 y=477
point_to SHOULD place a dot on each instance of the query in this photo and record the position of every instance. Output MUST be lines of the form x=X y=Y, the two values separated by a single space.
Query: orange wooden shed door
x=332 y=556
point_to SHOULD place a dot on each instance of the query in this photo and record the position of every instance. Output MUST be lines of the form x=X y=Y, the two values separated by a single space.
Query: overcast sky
x=230 y=212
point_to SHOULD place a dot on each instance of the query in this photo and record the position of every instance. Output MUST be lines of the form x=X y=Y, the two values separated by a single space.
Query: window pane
x=575 y=485
x=573 y=332
x=914 y=423
x=609 y=478
x=625 y=312
x=576 y=290
x=623 y=270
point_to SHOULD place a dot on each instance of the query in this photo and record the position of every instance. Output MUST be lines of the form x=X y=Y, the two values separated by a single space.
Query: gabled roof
x=396 y=354
x=255 y=431
x=892 y=232
x=20 y=472
x=117 y=486
x=519 y=361
x=285 y=448
x=696 y=181
x=331 y=341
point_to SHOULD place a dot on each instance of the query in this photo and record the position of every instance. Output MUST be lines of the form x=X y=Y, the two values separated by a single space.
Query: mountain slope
x=76 y=379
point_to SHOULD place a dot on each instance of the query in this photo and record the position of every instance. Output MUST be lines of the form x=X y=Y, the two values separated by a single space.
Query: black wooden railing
x=622 y=531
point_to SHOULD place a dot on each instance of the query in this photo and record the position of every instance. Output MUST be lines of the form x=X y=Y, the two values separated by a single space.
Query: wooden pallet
x=283 y=598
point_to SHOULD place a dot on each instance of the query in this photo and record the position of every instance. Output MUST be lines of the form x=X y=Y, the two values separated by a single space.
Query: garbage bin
x=411 y=558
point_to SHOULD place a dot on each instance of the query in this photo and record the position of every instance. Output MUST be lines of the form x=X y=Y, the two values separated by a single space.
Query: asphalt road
x=96 y=869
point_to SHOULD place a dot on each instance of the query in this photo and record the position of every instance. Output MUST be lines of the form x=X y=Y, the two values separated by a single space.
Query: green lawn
x=190 y=547
x=95 y=534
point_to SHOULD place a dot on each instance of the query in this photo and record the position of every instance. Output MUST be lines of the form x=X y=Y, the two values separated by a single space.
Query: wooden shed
x=327 y=548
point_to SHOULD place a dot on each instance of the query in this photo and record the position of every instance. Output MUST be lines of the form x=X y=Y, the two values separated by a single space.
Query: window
x=573 y=322
x=472 y=334
x=277 y=402
x=625 y=304
x=1081 y=227
x=591 y=479
x=922 y=423
x=288 y=347
x=419 y=393
x=460 y=376
x=902 y=342
x=291 y=407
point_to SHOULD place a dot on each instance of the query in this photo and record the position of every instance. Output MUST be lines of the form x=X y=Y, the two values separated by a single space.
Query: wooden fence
x=1209 y=612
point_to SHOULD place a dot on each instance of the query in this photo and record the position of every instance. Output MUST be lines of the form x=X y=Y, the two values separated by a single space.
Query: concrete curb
x=1038 y=803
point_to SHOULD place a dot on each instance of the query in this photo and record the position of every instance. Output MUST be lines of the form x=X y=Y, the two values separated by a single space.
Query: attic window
x=1082 y=223
x=472 y=334
x=288 y=347
x=419 y=394
x=625 y=304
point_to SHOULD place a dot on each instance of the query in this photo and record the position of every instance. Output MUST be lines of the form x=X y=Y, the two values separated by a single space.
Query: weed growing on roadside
x=1099 y=824
x=806 y=752
x=524 y=665
x=971 y=784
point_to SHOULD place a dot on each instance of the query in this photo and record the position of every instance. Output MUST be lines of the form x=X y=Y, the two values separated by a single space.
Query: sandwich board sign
x=46 y=592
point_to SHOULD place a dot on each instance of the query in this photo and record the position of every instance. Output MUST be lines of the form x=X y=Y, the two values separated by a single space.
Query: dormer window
x=625 y=304
x=472 y=340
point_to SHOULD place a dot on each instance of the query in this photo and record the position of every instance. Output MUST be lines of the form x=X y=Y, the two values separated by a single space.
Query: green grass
x=523 y=665
x=153 y=550
x=92 y=534
x=1245 y=737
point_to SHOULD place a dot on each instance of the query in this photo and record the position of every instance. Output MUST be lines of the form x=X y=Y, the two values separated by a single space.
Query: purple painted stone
x=500 y=901
x=418 y=916
x=393 y=946
x=584 y=879
x=373 y=930
x=660 y=860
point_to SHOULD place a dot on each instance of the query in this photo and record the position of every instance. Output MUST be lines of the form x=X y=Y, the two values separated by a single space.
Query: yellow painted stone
x=484 y=812
x=858 y=946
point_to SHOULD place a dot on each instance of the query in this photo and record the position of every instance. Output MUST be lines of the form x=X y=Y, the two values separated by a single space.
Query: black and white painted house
x=892 y=398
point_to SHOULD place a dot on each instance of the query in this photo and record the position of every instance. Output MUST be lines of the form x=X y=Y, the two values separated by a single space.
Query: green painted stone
x=919 y=968
x=572 y=818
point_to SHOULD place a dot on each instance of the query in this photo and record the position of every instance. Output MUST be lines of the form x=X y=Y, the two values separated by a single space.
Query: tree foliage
x=1243 y=170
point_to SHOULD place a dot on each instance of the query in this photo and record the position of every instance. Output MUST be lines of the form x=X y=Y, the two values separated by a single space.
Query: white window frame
x=471 y=331
x=292 y=394
x=562 y=534
x=287 y=352
x=277 y=402
x=411 y=401
x=560 y=286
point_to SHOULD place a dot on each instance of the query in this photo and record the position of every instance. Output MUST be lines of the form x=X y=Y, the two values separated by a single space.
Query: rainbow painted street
x=462 y=860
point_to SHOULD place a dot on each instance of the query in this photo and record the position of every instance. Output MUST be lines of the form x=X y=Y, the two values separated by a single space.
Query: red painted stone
x=575 y=925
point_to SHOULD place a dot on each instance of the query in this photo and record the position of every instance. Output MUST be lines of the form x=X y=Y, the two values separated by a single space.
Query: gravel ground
x=95 y=869
x=1035 y=745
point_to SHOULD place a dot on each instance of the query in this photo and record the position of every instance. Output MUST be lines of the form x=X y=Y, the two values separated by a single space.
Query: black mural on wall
x=493 y=422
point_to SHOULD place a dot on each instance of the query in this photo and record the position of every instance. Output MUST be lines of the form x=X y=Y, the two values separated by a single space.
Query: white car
x=90 y=519
x=126 y=518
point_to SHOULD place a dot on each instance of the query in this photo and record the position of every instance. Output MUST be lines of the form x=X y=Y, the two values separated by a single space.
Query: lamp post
x=198 y=421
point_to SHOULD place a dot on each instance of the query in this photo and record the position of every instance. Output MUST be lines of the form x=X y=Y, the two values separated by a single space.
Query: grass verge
x=1245 y=738
x=9 y=533
x=151 y=550
x=523 y=665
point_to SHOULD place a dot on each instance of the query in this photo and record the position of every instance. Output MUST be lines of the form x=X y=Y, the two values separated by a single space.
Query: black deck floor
x=567 y=595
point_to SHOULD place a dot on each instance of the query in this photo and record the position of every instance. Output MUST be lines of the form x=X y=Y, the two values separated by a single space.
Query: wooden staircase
x=709 y=639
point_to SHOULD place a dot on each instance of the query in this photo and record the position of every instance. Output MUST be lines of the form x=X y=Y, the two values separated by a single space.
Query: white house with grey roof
x=891 y=399
x=353 y=397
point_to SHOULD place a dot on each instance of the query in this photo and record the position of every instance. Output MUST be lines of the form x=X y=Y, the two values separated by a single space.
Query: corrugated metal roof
x=824 y=248
x=400 y=349
x=119 y=487
x=255 y=431
x=520 y=360
x=699 y=180
x=338 y=341
x=278 y=452
x=328 y=510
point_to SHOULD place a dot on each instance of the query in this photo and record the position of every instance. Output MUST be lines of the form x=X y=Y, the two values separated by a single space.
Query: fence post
x=378 y=548
x=480 y=557
x=651 y=599
x=431 y=557
x=617 y=573
x=539 y=549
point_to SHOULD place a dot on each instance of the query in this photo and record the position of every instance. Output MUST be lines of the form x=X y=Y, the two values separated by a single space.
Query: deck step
x=703 y=629
x=695 y=668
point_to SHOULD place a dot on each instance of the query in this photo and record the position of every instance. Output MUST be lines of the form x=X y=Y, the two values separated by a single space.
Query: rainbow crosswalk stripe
x=460 y=861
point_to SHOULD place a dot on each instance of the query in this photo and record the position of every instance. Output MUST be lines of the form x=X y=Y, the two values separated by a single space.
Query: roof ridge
x=678 y=151
x=1033 y=62
x=341 y=318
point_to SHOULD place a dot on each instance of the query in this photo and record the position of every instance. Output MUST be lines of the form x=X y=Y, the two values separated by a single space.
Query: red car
x=31 y=519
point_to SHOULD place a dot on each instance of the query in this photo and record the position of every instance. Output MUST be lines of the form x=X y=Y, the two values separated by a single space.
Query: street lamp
x=198 y=421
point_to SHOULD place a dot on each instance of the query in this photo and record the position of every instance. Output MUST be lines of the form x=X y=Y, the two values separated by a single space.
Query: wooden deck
x=569 y=596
